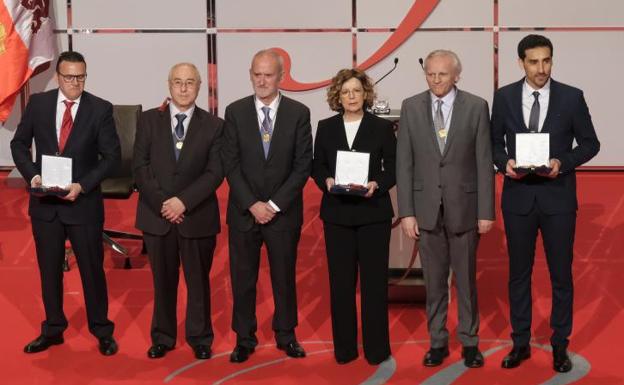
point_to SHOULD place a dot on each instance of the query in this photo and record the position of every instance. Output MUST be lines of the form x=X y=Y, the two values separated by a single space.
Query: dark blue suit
x=539 y=203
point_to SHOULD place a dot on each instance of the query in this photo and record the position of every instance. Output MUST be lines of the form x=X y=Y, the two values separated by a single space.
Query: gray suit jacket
x=462 y=178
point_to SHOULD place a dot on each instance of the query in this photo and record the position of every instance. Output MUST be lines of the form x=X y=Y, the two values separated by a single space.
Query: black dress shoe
x=108 y=346
x=241 y=353
x=516 y=356
x=472 y=357
x=42 y=342
x=435 y=356
x=561 y=360
x=158 y=351
x=292 y=349
x=202 y=352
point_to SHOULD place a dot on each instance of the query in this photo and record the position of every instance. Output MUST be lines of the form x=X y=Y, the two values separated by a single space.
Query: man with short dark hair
x=268 y=158
x=72 y=123
x=545 y=201
x=177 y=168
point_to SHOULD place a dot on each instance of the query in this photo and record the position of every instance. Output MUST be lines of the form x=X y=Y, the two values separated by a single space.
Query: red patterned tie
x=66 y=125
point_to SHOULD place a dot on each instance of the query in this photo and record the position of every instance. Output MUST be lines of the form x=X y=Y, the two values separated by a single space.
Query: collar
x=447 y=99
x=528 y=90
x=273 y=105
x=173 y=110
x=61 y=97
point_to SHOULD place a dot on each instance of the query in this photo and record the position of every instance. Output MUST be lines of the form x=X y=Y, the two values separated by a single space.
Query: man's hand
x=330 y=182
x=36 y=181
x=173 y=210
x=371 y=186
x=484 y=225
x=74 y=190
x=409 y=225
x=555 y=166
x=509 y=170
x=262 y=212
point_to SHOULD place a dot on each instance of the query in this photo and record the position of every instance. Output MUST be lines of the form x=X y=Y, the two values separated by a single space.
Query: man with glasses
x=71 y=123
x=177 y=168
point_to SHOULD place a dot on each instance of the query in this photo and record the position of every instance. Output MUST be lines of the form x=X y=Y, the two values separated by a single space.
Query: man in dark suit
x=545 y=202
x=268 y=156
x=177 y=167
x=445 y=194
x=71 y=123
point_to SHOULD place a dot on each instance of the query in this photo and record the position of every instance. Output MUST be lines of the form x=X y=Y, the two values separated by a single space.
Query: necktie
x=438 y=125
x=66 y=125
x=179 y=135
x=535 y=113
x=267 y=131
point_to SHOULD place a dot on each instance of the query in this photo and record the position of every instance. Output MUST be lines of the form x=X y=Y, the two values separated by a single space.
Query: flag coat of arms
x=26 y=42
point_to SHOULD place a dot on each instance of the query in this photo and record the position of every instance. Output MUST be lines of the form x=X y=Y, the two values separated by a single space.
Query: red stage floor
x=597 y=339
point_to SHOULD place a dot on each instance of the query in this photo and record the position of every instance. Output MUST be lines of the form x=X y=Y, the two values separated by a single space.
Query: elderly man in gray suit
x=445 y=187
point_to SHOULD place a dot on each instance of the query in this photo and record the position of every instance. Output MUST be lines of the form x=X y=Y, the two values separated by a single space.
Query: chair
x=120 y=185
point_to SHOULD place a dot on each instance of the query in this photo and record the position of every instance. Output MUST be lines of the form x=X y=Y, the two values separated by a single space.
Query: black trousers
x=86 y=241
x=244 y=264
x=558 y=237
x=349 y=249
x=165 y=253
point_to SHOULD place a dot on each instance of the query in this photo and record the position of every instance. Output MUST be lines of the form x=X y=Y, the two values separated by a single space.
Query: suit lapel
x=51 y=105
x=552 y=100
x=360 y=135
x=516 y=109
x=281 y=123
x=78 y=127
x=458 y=113
x=427 y=112
x=191 y=133
x=251 y=129
x=165 y=135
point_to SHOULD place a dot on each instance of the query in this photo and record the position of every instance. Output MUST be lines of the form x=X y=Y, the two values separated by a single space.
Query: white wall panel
x=448 y=13
x=133 y=68
x=59 y=13
x=561 y=13
x=474 y=50
x=315 y=57
x=283 y=14
x=579 y=61
x=89 y=14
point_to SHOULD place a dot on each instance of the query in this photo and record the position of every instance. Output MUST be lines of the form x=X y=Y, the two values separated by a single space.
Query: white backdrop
x=129 y=46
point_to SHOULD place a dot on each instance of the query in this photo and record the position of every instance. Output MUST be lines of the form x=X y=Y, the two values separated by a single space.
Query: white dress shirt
x=447 y=107
x=528 y=99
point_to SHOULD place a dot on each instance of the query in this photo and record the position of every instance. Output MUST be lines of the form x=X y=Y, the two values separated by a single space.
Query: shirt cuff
x=274 y=206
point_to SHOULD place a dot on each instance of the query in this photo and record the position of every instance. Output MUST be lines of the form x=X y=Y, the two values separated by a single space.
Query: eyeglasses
x=179 y=83
x=70 y=78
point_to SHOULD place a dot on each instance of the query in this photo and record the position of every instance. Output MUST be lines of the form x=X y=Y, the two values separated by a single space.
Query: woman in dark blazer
x=357 y=228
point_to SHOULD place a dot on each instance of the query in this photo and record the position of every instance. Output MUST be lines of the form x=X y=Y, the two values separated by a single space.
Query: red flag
x=26 y=42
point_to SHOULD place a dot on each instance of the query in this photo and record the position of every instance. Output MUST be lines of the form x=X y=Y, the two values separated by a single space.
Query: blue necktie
x=179 y=134
x=266 y=131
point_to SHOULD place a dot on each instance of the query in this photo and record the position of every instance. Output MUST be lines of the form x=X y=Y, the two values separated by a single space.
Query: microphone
x=396 y=61
x=422 y=63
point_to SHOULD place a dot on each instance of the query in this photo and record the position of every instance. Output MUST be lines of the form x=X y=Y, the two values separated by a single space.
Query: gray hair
x=445 y=53
x=272 y=53
x=184 y=64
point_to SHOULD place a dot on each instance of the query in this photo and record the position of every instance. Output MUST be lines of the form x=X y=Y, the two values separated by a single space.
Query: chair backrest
x=126 y=120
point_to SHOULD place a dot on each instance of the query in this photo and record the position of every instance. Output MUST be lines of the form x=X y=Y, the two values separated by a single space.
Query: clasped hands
x=263 y=212
x=173 y=210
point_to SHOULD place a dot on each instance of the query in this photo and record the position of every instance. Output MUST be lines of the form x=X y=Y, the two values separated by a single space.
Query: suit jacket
x=93 y=146
x=281 y=176
x=567 y=119
x=462 y=178
x=375 y=136
x=193 y=178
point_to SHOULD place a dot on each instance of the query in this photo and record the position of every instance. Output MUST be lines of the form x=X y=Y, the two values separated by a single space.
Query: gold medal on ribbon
x=266 y=137
x=442 y=133
x=179 y=144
